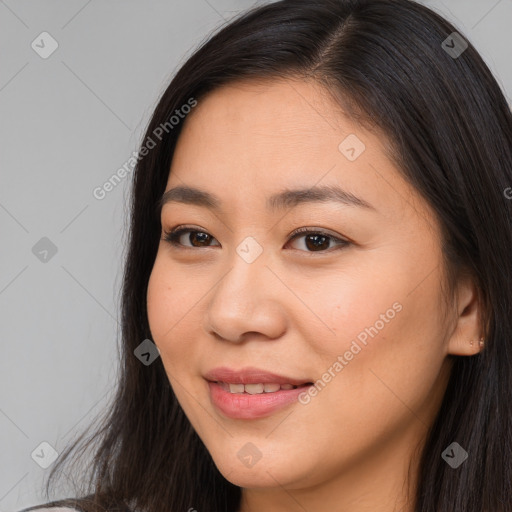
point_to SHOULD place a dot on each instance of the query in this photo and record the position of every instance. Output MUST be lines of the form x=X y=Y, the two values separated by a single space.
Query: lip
x=247 y=406
x=250 y=375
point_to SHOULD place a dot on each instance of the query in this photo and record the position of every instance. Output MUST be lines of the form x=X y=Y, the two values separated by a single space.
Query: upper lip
x=250 y=375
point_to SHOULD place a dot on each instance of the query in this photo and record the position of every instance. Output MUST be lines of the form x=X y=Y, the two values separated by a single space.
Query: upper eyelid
x=323 y=231
x=295 y=232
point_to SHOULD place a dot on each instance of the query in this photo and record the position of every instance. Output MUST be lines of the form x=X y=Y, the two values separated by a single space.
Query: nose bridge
x=245 y=282
x=247 y=265
x=245 y=298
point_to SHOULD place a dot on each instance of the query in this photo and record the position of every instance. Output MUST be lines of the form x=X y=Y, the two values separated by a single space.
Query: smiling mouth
x=257 y=388
x=251 y=393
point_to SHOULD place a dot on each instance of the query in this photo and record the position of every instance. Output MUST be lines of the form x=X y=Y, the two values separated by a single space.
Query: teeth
x=236 y=388
x=254 y=389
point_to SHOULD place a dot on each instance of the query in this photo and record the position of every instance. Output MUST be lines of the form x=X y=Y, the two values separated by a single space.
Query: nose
x=247 y=302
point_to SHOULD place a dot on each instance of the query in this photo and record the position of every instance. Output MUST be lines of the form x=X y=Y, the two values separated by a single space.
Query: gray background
x=67 y=123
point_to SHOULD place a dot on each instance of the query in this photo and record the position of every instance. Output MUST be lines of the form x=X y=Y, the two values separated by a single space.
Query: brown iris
x=200 y=237
x=317 y=241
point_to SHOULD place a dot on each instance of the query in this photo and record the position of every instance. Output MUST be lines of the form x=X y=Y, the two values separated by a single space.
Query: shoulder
x=50 y=509
x=42 y=508
x=56 y=506
x=83 y=504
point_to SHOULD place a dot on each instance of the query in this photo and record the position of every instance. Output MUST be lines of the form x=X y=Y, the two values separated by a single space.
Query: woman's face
x=354 y=306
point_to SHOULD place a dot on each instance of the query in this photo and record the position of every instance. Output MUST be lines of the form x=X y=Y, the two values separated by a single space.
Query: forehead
x=287 y=110
x=286 y=124
x=258 y=138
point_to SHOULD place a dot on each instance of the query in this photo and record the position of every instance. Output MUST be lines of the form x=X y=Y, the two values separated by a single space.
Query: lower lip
x=249 y=407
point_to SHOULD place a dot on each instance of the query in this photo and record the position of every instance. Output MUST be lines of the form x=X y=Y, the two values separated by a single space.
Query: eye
x=318 y=240
x=175 y=236
x=314 y=240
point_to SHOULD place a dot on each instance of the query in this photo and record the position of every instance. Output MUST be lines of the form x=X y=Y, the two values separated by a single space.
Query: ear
x=467 y=323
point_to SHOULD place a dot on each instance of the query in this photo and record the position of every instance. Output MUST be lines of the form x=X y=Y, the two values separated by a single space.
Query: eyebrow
x=282 y=200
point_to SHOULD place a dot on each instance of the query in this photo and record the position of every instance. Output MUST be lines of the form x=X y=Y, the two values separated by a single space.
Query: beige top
x=54 y=509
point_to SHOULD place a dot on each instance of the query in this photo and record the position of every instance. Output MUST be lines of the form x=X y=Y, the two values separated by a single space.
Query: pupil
x=316 y=244
x=203 y=237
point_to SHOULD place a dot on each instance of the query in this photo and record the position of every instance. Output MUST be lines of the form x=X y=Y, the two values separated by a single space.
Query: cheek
x=377 y=325
x=386 y=359
x=161 y=303
x=170 y=307
x=350 y=308
x=171 y=298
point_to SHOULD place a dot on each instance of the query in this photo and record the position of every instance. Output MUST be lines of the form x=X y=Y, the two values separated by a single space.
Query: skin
x=295 y=309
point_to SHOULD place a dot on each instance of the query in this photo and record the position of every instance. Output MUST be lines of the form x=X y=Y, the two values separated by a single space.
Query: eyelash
x=172 y=236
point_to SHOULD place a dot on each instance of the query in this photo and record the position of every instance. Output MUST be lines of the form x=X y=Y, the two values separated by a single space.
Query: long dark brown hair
x=450 y=129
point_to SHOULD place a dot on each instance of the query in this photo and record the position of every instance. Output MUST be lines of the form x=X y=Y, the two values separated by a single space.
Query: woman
x=317 y=300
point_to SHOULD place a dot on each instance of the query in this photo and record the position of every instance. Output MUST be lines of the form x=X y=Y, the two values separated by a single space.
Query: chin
x=256 y=477
x=265 y=472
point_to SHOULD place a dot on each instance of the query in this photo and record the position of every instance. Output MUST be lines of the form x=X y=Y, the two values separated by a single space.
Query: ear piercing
x=480 y=342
